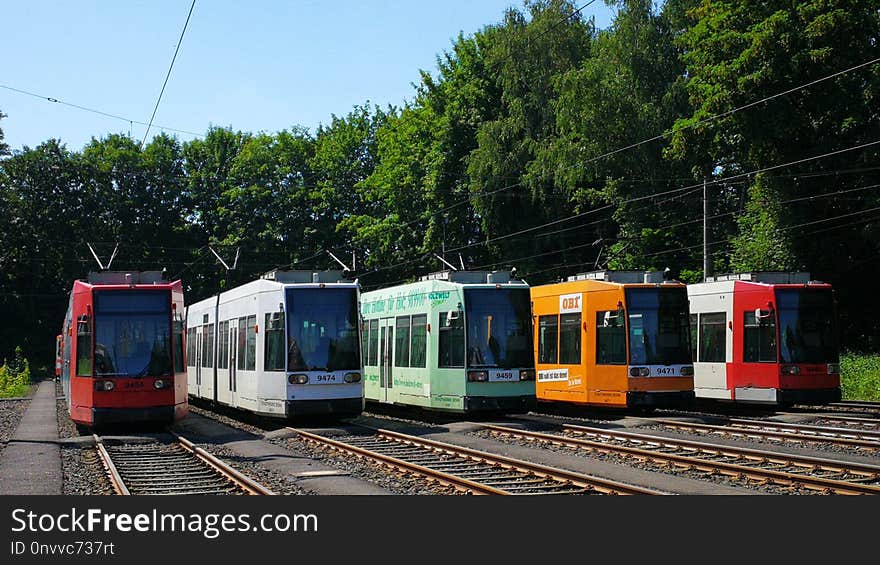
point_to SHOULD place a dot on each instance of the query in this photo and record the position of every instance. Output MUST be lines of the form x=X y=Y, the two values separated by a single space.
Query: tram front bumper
x=324 y=407
x=499 y=403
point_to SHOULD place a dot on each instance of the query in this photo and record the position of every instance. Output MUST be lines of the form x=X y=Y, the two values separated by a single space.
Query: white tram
x=287 y=344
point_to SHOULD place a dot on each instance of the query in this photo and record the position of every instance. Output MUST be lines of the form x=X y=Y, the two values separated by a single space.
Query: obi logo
x=570 y=303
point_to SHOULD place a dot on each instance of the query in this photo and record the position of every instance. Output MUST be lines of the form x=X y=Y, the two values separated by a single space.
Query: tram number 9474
x=326 y=378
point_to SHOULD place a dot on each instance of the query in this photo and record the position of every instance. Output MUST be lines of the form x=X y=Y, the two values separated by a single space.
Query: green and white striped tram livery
x=456 y=340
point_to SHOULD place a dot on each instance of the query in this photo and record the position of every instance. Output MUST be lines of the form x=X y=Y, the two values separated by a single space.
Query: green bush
x=860 y=376
x=15 y=376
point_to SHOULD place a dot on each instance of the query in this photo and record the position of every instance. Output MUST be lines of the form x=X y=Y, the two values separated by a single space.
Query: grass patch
x=860 y=376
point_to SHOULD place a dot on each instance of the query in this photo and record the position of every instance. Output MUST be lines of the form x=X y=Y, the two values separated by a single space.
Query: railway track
x=740 y=427
x=171 y=468
x=469 y=470
x=862 y=406
x=762 y=467
x=855 y=422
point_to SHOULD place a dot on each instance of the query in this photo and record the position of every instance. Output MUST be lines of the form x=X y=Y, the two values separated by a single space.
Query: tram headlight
x=639 y=371
x=105 y=386
x=298 y=379
x=478 y=376
x=791 y=370
x=833 y=368
x=526 y=375
x=687 y=371
x=352 y=377
x=159 y=384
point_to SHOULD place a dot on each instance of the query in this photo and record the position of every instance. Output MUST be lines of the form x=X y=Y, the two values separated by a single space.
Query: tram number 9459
x=129 y=384
x=326 y=378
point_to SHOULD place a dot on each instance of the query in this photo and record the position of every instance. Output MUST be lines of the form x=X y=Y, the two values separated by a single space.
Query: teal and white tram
x=456 y=341
x=287 y=344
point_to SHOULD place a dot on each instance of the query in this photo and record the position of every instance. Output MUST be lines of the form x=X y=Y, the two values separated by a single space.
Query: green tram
x=457 y=341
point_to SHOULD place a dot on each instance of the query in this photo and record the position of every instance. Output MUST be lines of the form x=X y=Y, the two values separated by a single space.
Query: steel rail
x=795 y=432
x=151 y=468
x=587 y=482
x=865 y=406
x=868 y=472
x=446 y=479
x=243 y=481
x=112 y=471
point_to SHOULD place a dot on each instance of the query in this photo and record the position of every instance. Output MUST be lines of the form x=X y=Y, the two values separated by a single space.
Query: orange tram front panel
x=121 y=349
x=613 y=338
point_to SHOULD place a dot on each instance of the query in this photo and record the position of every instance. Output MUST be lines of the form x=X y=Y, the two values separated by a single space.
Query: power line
x=664 y=134
x=94 y=111
x=640 y=198
x=174 y=58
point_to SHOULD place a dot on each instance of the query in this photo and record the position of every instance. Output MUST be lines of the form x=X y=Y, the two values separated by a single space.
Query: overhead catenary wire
x=666 y=133
x=168 y=74
x=644 y=197
x=94 y=111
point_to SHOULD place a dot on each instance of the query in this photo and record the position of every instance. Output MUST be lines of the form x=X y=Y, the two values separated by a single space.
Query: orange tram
x=615 y=339
x=120 y=352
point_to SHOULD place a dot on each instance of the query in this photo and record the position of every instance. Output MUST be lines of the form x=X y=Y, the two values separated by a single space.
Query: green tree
x=4 y=148
x=740 y=52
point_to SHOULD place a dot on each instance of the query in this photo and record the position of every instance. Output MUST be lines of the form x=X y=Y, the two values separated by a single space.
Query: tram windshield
x=322 y=329
x=806 y=326
x=498 y=328
x=132 y=333
x=659 y=331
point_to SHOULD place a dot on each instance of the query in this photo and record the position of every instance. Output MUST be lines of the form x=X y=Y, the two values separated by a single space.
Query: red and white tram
x=765 y=337
x=121 y=356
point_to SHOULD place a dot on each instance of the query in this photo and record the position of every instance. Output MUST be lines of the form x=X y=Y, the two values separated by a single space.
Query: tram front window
x=659 y=331
x=498 y=328
x=132 y=333
x=806 y=326
x=322 y=329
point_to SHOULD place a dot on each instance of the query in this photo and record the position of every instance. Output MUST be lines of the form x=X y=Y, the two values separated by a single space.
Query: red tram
x=765 y=337
x=122 y=352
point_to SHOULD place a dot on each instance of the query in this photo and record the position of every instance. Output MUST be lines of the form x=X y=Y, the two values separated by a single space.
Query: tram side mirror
x=452 y=315
x=762 y=314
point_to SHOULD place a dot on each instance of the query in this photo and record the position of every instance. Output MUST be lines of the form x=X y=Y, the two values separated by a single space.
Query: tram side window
x=548 y=339
x=208 y=345
x=242 y=344
x=570 y=339
x=401 y=341
x=759 y=340
x=451 y=346
x=251 y=350
x=610 y=338
x=694 y=334
x=223 y=346
x=178 y=343
x=418 y=348
x=190 y=341
x=372 y=356
x=713 y=339
x=365 y=342
x=275 y=352
x=84 y=346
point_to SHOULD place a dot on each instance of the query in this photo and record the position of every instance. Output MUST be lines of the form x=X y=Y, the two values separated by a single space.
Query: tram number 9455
x=326 y=378
x=130 y=384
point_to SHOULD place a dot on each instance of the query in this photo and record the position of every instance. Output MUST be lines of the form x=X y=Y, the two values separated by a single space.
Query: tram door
x=233 y=358
x=199 y=351
x=386 y=347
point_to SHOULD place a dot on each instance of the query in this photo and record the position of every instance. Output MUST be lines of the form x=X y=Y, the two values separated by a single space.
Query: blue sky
x=263 y=65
